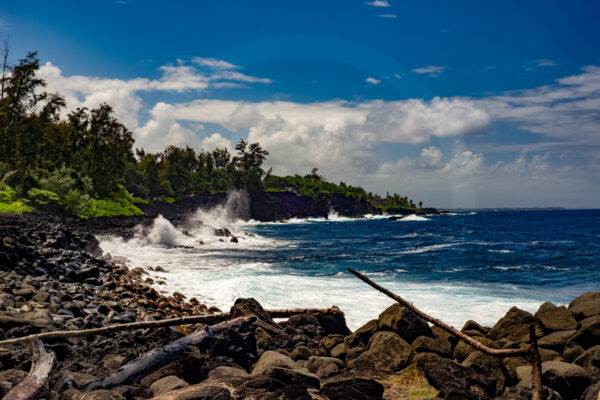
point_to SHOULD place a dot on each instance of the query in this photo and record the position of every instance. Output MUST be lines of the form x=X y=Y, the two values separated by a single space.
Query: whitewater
x=461 y=266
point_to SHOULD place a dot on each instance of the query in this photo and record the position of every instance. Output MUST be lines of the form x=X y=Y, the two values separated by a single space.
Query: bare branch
x=475 y=343
x=193 y=319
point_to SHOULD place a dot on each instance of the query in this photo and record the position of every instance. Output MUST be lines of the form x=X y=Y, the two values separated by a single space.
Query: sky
x=456 y=104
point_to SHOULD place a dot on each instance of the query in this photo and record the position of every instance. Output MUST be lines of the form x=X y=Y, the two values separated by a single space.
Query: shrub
x=16 y=207
x=108 y=208
x=45 y=200
x=7 y=194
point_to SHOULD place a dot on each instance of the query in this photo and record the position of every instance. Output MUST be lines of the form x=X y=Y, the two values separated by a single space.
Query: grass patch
x=109 y=208
x=409 y=384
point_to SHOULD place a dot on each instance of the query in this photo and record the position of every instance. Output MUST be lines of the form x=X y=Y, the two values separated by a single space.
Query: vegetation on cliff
x=84 y=164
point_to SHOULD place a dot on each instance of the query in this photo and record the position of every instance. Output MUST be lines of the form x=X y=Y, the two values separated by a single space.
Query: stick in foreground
x=41 y=365
x=475 y=343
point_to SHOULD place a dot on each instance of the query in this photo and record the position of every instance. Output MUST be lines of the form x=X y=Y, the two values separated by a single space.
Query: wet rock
x=353 y=389
x=404 y=322
x=167 y=384
x=556 y=319
x=324 y=367
x=586 y=305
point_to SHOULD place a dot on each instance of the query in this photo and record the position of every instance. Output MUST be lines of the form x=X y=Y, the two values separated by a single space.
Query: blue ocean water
x=467 y=265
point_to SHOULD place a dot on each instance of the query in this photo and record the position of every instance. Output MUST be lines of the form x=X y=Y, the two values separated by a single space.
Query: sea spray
x=236 y=208
x=163 y=232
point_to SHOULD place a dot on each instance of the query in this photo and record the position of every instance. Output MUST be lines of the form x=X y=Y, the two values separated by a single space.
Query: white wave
x=425 y=249
x=503 y=251
x=163 y=232
x=413 y=218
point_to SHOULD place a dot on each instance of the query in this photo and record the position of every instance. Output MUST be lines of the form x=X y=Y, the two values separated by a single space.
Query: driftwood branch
x=536 y=366
x=164 y=355
x=41 y=365
x=475 y=343
x=193 y=319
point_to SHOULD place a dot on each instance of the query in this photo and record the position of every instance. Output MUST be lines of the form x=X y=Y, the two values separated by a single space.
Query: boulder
x=426 y=344
x=513 y=326
x=472 y=328
x=166 y=384
x=589 y=332
x=510 y=366
x=592 y=392
x=340 y=351
x=556 y=340
x=361 y=336
x=590 y=361
x=404 y=322
x=272 y=359
x=522 y=393
x=353 y=389
x=453 y=380
x=569 y=380
x=390 y=352
x=586 y=305
x=324 y=367
x=463 y=350
x=556 y=319
x=333 y=322
x=572 y=350
x=247 y=307
x=301 y=353
x=489 y=366
x=297 y=377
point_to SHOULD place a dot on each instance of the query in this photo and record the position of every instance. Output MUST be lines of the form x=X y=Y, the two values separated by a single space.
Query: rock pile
x=54 y=279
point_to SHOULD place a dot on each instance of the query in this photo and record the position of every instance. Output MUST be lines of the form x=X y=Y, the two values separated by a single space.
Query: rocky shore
x=53 y=276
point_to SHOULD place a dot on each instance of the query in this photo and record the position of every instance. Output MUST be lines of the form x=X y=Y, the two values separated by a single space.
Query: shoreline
x=52 y=280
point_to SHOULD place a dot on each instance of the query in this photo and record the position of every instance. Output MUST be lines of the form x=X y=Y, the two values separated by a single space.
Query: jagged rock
x=167 y=384
x=441 y=334
x=586 y=305
x=453 y=380
x=510 y=366
x=340 y=351
x=514 y=326
x=489 y=366
x=404 y=322
x=353 y=389
x=462 y=349
x=389 y=352
x=324 y=367
x=556 y=340
x=589 y=332
x=333 y=322
x=362 y=335
x=590 y=361
x=556 y=319
x=472 y=328
x=426 y=344
x=301 y=353
x=247 y=307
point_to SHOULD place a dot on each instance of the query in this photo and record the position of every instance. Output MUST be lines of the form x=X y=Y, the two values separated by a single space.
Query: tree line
x=85 y=164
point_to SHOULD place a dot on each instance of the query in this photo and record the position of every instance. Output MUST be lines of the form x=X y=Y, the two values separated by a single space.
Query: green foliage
x=7 y=194
x=166 y=199
x=16 y=207
x=44 y=200
x=311 y=185
x=108 y=208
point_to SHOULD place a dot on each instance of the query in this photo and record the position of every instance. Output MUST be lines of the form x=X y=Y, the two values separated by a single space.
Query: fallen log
x=192 y=319
x=164 y=355
x=41 y=365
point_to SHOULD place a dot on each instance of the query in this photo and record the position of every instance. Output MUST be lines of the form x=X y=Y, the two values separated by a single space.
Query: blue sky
x=466 y=104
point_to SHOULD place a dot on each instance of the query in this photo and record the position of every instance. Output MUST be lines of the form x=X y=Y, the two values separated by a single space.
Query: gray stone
x=556 y=340
x=324 y=367
x=404 y=322
x=390 y=352
x=271 y=359
x=557 y=319
x=166 y=384
x=590 y=361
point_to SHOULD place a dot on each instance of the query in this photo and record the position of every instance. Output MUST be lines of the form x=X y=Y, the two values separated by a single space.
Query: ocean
x=456 y=267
